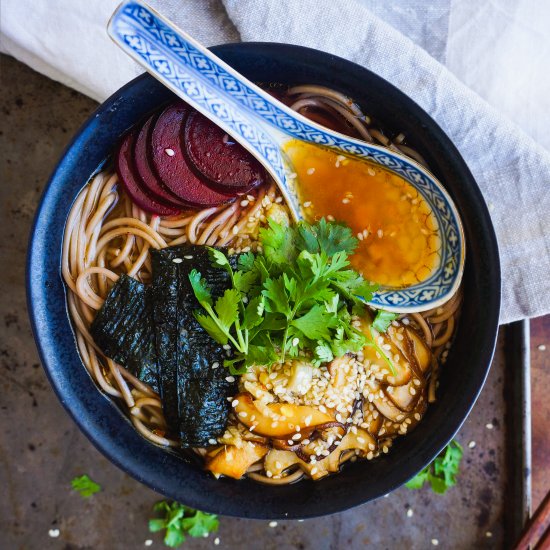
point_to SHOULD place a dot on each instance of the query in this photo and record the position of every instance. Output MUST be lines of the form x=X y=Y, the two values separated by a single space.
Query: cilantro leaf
x=85 y=486
x=441 y=473
x=383 y=320
x=226 y=308
x=277 y=241
x=179 y=520
x=209 y=324
x=200 y=288
x=316 y=323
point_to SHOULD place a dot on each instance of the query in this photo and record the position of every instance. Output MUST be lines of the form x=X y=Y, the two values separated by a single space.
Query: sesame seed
x=310 y=171
x=212 y=441
x=148 y=542
x=488 y=534
x=385 y=449
x=54 y=533
x=361 y=440
x=177 y=260
x=542 y=347
x=380 y=233
x=410 y=513
x=188 y=257
x=290 y=442
x=169 y=152
x=472 y=444
x=215 y=365
x=235 y=402
x=278 y=465
x=226 y=346
x=243 y=414
x=371 y=172
x=279 y=200
x=370 y=455
x=345 y=201
x=273 y=524
x=244 y=203
x=417 y=416
x=435 y=542
x=489 y=426
x=274 y=424
x=330 y=218
x=314 y=470
x=412 y=391
x=360 y=236
x=307 y=204
x=230 y=378
x=295 y=341
x=235 y=229
x=217 y=541
x=297 y=437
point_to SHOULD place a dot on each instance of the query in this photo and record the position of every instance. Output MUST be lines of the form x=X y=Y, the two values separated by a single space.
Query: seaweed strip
x=123 y=330
x=194 y=394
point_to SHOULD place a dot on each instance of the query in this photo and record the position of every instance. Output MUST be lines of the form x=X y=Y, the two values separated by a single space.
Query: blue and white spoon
x=263 y=125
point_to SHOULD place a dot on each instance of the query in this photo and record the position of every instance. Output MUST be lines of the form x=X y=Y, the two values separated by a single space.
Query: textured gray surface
x=41 y=450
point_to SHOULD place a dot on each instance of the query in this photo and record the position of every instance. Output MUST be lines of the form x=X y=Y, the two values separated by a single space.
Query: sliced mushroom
x=279 y=420
x=232 y=461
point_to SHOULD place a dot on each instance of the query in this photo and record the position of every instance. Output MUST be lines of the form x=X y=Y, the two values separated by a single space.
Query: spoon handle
x=200 y=78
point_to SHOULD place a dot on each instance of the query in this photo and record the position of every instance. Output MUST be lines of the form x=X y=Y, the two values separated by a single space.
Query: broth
x=398 y=235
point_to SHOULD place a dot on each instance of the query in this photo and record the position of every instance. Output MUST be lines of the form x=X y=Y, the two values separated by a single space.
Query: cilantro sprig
x=180 y=520
x=441 y=473
x=383 y=320
x=292 y=301
x=85 y=486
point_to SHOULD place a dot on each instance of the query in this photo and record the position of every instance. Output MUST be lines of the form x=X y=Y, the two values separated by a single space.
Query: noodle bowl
x=108 y=235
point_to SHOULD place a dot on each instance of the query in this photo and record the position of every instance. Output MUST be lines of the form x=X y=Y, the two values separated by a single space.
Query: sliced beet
x=144 y=169
x=219 y=158
x=171 y=166
x=130 y=180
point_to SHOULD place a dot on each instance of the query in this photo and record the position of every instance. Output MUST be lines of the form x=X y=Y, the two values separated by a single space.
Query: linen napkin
x=67 y=41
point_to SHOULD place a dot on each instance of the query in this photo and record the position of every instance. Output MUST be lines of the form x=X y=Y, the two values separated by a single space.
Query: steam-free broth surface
x=399 y=241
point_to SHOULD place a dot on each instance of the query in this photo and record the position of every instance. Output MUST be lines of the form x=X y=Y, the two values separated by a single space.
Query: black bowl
x=103 y=422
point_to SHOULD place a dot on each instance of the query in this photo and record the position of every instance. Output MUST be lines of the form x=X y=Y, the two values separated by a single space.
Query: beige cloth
x=66 y=40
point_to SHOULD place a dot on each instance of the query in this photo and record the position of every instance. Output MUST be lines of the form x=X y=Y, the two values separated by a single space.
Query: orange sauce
x=399 y=241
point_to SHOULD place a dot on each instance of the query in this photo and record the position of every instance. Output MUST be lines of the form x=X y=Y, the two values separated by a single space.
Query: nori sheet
x=194 y=395
x=123 y=329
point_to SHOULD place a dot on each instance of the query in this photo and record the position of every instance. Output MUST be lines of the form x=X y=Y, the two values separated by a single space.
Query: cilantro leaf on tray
x=441 y=473
x=85 y=486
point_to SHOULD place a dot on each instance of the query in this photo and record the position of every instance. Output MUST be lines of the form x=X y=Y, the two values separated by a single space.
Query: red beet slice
x=170 y=164
x=219 y=158
x=130 y=180
x=144 y=170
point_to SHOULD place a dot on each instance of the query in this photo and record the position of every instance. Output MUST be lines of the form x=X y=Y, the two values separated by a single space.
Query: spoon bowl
x=263 y=125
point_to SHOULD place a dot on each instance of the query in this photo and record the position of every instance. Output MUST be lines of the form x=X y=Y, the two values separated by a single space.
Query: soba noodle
x=106 y=235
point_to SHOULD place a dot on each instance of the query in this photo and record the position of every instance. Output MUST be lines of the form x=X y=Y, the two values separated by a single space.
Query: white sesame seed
x=169 y=152
x=417 y=416
x=314 y=470
x=488 y=534
x=542 y=347
x=345 y=201
x=489 y=426
x=177 y=260
x=278 y=465
x=273 y=524
x=226 y=346
x=235 y=229
x=215 y=365
x=295 y=341
x=54 y=533
x=360 y=236
x=188 y=257
x=380 y=233
x=244 y=203
x=361 y=440
x=310 y=171
x=148 y=542
x=435 y=542
x=243 y=414
x=297 y=437
x=230 y=378
x=472 y=444
x=217 y=541
x=212 y=441
x=385 y=449
x=410 y=513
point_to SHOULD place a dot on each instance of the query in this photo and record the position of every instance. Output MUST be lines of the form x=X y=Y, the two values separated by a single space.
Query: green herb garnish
x=294 y=300
x=85 y=486
x=180 y=520
x=442 y=472
x=383 y=320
